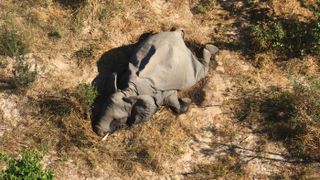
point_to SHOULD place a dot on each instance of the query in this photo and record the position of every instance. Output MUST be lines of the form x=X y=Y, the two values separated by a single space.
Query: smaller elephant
x=160 y=66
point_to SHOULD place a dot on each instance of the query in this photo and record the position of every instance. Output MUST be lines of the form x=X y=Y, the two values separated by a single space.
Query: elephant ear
x=132 y=99
x=143 y=108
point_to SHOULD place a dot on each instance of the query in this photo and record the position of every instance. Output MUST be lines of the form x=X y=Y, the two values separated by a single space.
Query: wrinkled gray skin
x=160 y=66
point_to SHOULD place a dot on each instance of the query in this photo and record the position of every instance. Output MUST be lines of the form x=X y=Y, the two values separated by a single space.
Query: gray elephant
x=159 y=67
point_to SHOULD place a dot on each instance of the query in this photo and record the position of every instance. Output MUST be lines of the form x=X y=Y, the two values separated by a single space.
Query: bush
x=26 y=167
x=23 y=76
x=12 y=44
x=289 y=37
x=294 y=39
x=85 y=95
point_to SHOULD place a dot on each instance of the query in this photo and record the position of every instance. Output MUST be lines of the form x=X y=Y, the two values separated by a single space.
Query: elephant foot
x=208 y=51
x=206 y=56
x=212 y=49
x=184 y=105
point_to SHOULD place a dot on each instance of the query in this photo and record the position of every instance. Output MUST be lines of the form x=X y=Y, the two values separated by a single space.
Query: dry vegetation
x=270 y=55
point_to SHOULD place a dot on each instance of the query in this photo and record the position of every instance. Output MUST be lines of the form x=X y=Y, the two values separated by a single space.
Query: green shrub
x=85 y=95
x=26 y=167
x=23 y=76
x=292 y=39
x=289 y=37
x=270 y=34
x=12 y=44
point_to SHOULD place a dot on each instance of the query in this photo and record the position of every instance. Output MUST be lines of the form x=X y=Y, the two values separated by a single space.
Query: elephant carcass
x=160 y=66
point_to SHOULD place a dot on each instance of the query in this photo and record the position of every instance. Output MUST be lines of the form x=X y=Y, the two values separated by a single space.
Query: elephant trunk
x=103 y=127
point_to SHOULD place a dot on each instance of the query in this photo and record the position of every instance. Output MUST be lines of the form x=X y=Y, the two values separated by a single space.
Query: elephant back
x=164 y=61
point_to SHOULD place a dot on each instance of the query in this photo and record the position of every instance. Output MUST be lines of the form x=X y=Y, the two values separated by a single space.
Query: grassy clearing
x=291 y=117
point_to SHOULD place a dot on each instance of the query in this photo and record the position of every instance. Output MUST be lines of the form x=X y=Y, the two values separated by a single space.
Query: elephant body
x=164 y=63
x=159 y=67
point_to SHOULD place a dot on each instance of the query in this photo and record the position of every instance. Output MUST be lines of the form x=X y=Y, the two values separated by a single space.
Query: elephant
x=159 y=67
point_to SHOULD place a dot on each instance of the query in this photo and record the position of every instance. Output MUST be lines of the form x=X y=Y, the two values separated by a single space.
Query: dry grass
x=225 y=166
x=62 y=127
x=137 y=147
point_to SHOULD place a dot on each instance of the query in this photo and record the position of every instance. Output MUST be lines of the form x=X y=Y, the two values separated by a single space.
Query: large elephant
x=159 y=67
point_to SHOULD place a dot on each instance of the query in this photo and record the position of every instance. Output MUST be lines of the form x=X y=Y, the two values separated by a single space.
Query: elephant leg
x=177 y=105
x=203 y=63
x=209 y=51
x=143 y=107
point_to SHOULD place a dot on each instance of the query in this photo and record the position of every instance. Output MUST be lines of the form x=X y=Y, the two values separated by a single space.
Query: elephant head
x=116 y=111
x=120 y=110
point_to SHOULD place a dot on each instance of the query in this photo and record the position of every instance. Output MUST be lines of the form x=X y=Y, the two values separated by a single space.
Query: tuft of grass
x=26 y=167
x=85 y=95
x=225 y=166
x=3 y=64
x=85 y=53
x=73 y=4
x=12 y=43
x=288 y=116
x=54 y=35
x=301 y=67
x=23 y=75
x=203 y=6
